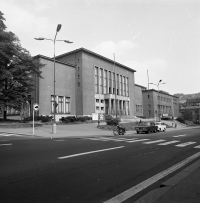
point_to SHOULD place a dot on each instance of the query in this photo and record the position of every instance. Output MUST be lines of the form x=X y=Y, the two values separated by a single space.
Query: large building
x=159 y=104
x=86 y=83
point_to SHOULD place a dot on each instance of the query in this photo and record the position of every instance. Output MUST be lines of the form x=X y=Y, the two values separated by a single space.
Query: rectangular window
x=117 y=84
x=114 y=85
x=110 y=83
x=96 y=79
x=101 y=81
x=60 y=105
x=127 y=89
x=105 y=82
x=67 y=104
x=52 y=104
x=120 y=85
x=124 y=87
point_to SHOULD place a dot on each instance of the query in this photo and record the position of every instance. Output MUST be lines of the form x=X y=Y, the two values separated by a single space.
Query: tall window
x=127 y=89
x=105 y=82
x=124 y=87
x=120 y=85
x=113 y=78
x=101 y=81
x=96 y=79
x=67 y=104
x=117 y=84
x=60 y=105
x=110 y=83
x=52 y=104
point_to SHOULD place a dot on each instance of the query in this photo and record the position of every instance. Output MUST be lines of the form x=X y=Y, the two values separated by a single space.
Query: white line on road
x=80 y=154
x=5 y=144
x=141 y=186
x=179 y=135
x=198 y=147
x=185 y=144
x=170 y=142
x=138 y=140
x=155 y=141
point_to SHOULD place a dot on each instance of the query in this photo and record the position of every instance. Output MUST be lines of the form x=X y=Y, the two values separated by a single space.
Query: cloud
x=107 y=48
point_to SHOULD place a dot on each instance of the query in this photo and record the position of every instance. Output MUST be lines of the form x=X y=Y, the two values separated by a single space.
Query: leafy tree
x=17 y=69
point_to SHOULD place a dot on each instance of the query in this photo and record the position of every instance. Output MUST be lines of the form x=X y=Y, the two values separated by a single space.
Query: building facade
x=139 y=100
x=159 y=104
x=86 y=83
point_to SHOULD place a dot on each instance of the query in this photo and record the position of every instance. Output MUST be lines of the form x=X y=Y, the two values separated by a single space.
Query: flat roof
x=163 y=92
x=95 y=54
x=52 y=59
x=140 y=86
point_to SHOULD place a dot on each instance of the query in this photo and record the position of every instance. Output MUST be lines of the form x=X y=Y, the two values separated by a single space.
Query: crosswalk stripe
x=198 y=147
x=94 y=139
x=7 y=134
x=138 y=140
x=115 y=140
x=5 y=144
x=179 y=135
x=185 y=144
x=170 y=142
x=155 y=141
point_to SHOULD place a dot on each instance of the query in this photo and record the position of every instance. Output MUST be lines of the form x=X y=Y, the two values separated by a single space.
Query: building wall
x=64 y=86
x=85 y=63
x=138 y=100
x=160 y=103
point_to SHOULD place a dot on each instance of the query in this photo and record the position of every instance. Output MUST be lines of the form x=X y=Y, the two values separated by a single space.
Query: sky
x=158 y=37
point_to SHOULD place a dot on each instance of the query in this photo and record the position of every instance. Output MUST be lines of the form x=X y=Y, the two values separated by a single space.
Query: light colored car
x=161 y=126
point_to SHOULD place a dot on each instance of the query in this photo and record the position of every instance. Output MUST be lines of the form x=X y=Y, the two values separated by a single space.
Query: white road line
x=138 y=140
x=185 y=144
x=113 y=139
x=179 y=135
x=80 y=154
x=155 y=141
x=6 y=134
x=170 y=142
x=5 y=144
x=198 y=147
x=94 y=139
x=141 y=186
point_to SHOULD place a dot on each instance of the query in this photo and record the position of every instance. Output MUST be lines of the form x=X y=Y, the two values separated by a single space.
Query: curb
x=156 y=194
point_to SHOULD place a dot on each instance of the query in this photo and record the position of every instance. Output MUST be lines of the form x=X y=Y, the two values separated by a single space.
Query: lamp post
x=159 y=83
x=54 y=42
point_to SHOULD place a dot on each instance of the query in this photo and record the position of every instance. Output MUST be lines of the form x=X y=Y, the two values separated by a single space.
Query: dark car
x=146 y=127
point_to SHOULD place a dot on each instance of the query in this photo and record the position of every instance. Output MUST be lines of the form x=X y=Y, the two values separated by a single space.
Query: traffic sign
x=35 y=107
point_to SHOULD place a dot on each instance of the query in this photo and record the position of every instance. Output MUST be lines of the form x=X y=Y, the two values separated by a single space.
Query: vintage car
x=146 y=127
x=161 y=126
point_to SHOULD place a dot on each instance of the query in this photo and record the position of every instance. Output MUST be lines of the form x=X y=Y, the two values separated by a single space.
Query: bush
x=112 y=121
x=180 y=120
x=41 y=118
x=71 y=119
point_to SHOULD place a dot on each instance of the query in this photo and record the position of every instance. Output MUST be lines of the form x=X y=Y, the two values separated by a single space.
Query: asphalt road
x=88 y=170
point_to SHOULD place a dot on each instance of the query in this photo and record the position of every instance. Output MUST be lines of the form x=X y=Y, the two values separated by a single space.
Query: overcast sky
x=161 y=36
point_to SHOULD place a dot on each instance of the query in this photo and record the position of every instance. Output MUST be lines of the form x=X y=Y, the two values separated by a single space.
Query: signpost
x=35 y=108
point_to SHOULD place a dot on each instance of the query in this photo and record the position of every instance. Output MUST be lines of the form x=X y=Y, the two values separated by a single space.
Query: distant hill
x=184 y=97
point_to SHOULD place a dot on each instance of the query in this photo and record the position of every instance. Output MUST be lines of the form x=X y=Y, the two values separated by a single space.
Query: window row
x=107 y=82
x=62 y=104
x=164 y=99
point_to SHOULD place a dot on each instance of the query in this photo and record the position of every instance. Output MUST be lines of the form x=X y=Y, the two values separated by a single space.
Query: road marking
x=80 y=154
x=170 y=142
x=180 y=135
x=5 y=144
x=138 y=140
x=113 y=139
x=198 y=147
x=141 y=186
x=9 y=134
x=185 y=144
x=155 y=141
x=94 y=139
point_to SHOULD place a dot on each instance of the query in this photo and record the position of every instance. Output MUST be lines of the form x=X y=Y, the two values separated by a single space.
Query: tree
x=17 y=69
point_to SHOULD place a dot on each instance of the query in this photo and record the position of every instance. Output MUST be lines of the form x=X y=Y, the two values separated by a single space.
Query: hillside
x=184 y=97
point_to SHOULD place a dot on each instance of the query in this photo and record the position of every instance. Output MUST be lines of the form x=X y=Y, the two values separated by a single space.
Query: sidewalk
x=74 y=130
x=184 y=187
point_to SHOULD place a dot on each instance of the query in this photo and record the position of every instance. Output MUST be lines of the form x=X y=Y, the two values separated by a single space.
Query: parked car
x=146 y=127
x=161 y=126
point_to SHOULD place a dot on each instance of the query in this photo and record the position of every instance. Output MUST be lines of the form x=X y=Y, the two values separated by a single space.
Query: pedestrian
x=175 y=125
x=98 y=122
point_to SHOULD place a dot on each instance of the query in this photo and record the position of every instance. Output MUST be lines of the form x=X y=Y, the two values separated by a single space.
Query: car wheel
x=137 y=132
x=164 y=130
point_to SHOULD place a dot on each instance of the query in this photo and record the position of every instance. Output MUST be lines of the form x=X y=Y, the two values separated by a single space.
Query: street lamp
x=159 y=83
x=54 y=41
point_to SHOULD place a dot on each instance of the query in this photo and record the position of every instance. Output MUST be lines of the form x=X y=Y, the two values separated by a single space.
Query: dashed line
x=80 y=154
x=5 y=144
x=180 y=135
x=185 y=144
x=155 y=141
x=170 y=142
